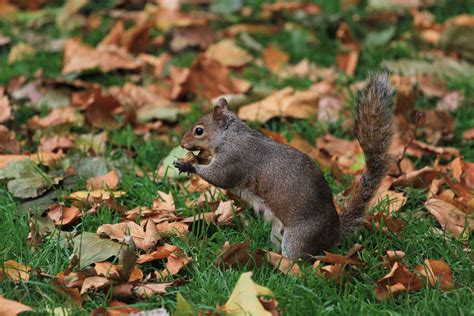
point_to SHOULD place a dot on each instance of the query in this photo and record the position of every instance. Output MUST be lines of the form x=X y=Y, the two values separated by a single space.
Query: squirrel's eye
x=199 y=131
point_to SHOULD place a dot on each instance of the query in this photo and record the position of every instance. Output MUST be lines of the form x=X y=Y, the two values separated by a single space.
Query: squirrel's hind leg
x=304 y=240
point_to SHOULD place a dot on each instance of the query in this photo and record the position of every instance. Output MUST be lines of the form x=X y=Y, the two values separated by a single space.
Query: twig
x=419 y=116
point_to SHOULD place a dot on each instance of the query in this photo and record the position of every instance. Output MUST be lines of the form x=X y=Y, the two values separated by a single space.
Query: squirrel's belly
x=258 y=204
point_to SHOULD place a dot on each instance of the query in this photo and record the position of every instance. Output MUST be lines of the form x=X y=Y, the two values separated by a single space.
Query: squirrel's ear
x=223 y=104
x=218 y=113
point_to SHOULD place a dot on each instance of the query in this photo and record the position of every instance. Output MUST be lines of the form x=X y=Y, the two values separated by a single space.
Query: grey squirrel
x=283 y=183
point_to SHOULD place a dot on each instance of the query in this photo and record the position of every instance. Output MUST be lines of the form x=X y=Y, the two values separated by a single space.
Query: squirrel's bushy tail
x=373 y=128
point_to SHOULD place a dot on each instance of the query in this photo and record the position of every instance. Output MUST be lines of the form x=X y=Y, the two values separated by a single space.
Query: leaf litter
x=78 y=116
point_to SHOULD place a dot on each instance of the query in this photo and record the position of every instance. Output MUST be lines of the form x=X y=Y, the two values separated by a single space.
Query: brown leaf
x=95 y=195
x=395 y=200
x=201 y=80
x=16 y=272
x=175 y=262
x=391 y=257
x=8 y=142
x=226 y=211
x=228 y=53
x=50 y=144
x=251 y=28
x=107 y=270
x=450 y=218
x=468 y=134
x=419 y=178
x=334 y=272
x=9 y=307
x=5 y=108
x=399 y=279
x=107 y=181
x=237 y=255
x=79 y=57
x=56 y=117
x=283 y=103
x=63 y=215
x=283 y=264
x=94 y=283
x=438 y=273
x=118 y=232
x=418 y=149
x=167 y=229
x=161 y=252
x=274 y=58
x=450 y=102
x=384 y=223
x=146 y=290
x=338 y=259
x=197 y=36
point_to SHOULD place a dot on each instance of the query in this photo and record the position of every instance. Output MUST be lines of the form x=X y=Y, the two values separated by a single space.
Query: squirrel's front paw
x=184 y=166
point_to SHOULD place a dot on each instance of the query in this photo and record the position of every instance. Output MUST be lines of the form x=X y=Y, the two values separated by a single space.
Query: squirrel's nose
x=187 y=145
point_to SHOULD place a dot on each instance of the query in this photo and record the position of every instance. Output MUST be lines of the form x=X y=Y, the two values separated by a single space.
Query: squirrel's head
x=207 y=131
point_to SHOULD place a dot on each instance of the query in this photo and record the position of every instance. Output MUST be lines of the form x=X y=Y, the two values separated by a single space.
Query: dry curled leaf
x=284 y=103
x=283 y=264
x=237 y=255
x=228 y=53
x=9 y=307
x=398 y=280
x=450 y=218
x=438 y=273
x=109 y=181
x=5 y=108
x=274 y=58
x=16 y=272
x=79 y=57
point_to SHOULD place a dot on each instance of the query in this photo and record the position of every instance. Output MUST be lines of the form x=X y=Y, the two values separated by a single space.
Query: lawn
x=113 y=132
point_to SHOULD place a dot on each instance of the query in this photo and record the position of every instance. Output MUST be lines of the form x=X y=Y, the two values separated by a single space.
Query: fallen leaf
x=450 y=218
x=145 y=291
x=228 y=53
x=20 y=52
x=9 y=307
x=109 y=181
x=283 y=264
x=338 y=259
x=91 y=248
x=284 y=103
x=225 y=212
x=120 y=230
x=168 y=229
x=201 y=79
x=419 y=178
x=384 y=223
x=194 y=36
x=5 y=108
x=91 y=196
x=62 y=215
x=79 y=57
x=56 y=117
x=16 y=272
x=50 y=144
x=94 y=283
x=391 y=257
x=8 y=142
x=450 y=102
x=175 y=262
x=438 y=273
x=395 y=200
x=274 y=58
x=398 y=280
x=244 y=299
x=468 y=134
x=160 y=252
x=237 y=255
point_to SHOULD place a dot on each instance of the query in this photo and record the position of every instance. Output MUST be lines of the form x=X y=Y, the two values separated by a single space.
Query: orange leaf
x=9 y=307
x=109 y=180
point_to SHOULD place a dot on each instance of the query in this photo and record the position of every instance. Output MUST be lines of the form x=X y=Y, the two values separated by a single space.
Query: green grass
x=206 y=285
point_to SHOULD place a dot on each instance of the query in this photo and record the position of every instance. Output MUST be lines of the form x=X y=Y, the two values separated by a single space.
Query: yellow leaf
x=244 y=298
x=16 y=271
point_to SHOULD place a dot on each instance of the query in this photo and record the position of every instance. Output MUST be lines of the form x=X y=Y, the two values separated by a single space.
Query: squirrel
x=285 y=184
